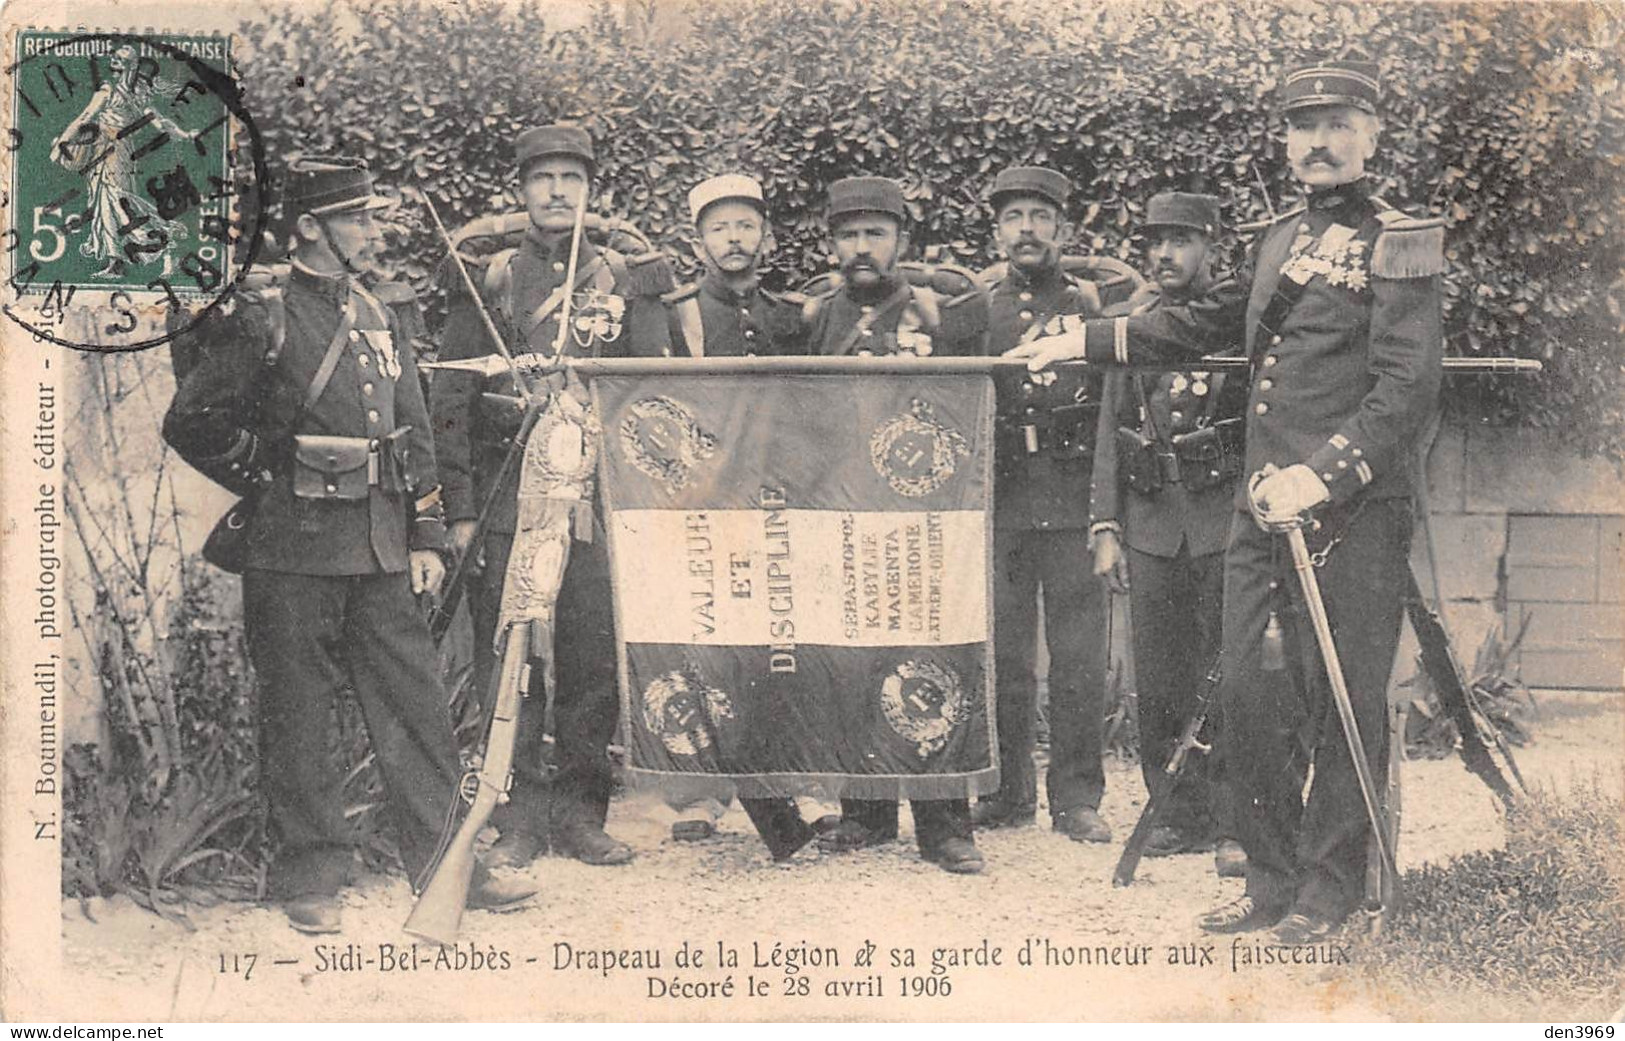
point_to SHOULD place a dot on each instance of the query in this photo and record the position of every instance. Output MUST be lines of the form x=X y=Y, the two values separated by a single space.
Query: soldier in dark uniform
x=311 y=406
x=615 y=312
x=1342 y=316
x=876 y=311
x=727 y=314
x=1166 y=464
x=1046 y=427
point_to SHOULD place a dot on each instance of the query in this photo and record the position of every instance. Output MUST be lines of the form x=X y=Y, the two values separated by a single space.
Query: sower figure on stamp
x=728 y=314
x=1342 y=316
x=313 y=407
x=876 y=311
x=1167 y=462
x=615 y=311
x=1045 y=444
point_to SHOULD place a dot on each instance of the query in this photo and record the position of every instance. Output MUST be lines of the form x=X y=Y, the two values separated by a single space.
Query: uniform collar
x=334 y=287
x=713 y=285
x=1045 y=278
x=557 y=251
x=881 y=291
x=1340 y=198
x=1194 y=291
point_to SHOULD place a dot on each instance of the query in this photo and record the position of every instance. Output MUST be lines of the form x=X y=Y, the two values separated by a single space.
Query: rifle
x=439 y=906
x=550 y=497
x=1458 y=700
x=1164 y=783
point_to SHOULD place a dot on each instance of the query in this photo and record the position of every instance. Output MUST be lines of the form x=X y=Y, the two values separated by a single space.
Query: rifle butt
x=439 y=908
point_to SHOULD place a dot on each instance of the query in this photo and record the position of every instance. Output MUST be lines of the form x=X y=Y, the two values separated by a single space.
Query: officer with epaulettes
x=727 y=313
x=307 y=403
x=615 y=311
x=1167 y=462
x=875 y=310
x=1045 y=429
x=1342 y=317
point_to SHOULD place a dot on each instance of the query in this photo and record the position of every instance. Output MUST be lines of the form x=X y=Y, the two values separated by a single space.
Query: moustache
x=1319 y=157
x=861 y=263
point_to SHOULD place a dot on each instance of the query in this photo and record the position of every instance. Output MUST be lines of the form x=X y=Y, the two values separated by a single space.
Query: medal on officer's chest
x=383 y=345
x=597 y=317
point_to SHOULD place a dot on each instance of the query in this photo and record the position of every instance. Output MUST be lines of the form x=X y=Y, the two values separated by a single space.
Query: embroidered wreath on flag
x=915 y=453
x=923 y=701
x=685 y=712
x=662 y=439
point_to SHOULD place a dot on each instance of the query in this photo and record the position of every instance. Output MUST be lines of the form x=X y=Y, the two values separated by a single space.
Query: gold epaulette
x=1408 y=247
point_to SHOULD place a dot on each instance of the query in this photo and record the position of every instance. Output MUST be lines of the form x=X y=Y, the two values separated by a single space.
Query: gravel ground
x=1098 y=953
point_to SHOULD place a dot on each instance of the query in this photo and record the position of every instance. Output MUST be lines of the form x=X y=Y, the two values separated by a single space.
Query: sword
x=1304 y=566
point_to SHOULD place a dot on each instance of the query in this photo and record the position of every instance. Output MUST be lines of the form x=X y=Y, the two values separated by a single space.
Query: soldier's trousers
x=935 y=820
x=311 y=636
x=585 y=705
x=1276 y=722
x=1177 y=606
x=1075 y=604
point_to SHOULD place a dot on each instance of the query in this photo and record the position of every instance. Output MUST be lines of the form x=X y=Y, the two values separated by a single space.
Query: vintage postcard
x=506 y=502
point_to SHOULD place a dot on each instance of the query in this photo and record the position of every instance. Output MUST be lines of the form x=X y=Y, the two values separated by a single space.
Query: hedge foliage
x=1508 y=120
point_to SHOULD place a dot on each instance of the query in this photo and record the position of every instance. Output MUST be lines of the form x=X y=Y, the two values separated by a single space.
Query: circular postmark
x=135 y=201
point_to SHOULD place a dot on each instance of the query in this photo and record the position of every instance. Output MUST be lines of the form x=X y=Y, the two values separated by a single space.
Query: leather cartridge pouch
x=394 y=462
x=500 y=417
x=1137 y=462
x=326 y=467
x=1210 y=456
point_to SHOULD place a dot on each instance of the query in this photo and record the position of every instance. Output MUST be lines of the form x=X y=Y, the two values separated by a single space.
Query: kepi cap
x=1339 y=81
x=727 y=186
x=1041 y=181
x=1183 y=210
x=553 y=139
x=322 y=185
x=867 y=195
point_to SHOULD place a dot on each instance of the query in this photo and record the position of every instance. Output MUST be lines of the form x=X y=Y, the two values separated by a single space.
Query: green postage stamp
x=127 y=180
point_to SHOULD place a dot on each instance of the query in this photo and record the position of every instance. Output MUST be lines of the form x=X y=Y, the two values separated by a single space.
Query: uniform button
x=1357 y=453
x=868 y=332
x=1176 y=415
x=744 y=312
x=1043 y=524
x=1026 y=316
x=750 y=334
x=354 y=335
x=1260 y=408
x=1327 y=478
x=332 y=489
x=362 y=360
x=1275 y=339
x=366 y=388
x=1269 y=360
x=867 y=309
x=373 y=444
x=1342 y=464
x=558 y=266
x=1265 y=384
x=372 y=415
x=1025 y=297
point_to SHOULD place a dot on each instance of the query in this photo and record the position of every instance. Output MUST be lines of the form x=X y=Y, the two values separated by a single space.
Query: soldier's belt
x=347 y=468
x=1068 y=430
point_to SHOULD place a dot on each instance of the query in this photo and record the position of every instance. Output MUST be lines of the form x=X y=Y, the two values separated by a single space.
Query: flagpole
x=813 y=365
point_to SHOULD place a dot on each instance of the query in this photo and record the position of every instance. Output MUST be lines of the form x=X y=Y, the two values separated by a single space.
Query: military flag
x=801 y=571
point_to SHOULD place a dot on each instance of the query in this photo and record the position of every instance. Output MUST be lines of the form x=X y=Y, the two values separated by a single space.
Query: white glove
x=1047 y=350
x=1282 y=495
